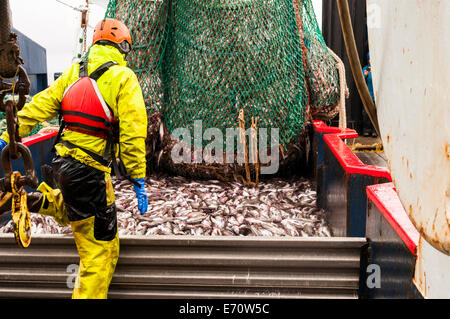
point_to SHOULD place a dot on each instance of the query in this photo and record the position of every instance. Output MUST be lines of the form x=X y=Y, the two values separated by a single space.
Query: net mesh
x=3 y=124
x=207 y=60
x=147 y=21
x=321 y=72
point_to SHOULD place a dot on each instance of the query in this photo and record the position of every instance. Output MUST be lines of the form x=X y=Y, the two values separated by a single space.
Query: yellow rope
x=13 y=85
x=243 y=140
x=254 y=147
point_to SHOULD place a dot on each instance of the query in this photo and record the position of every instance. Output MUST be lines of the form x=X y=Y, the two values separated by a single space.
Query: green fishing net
x=208 y=59
x=3 y=125
x=321 y=72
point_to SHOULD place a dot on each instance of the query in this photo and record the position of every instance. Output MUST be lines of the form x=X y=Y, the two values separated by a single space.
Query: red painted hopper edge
x=349 y=161
x=383 y=195
x=321 y=127
x=33 y=139
x=386 y=200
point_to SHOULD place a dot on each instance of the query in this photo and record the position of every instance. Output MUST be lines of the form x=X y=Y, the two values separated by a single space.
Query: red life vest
x=83 y=108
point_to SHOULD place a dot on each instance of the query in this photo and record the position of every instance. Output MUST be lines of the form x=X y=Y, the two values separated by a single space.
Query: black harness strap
x=101 y=69
x=86 y=127
x=87 y=116
x=118 y=170
x=96 y=157
x=62 y=126
x=95 y=75
x=83 y=69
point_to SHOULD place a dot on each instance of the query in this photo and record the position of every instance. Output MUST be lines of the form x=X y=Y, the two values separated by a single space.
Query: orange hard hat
x=114 y=31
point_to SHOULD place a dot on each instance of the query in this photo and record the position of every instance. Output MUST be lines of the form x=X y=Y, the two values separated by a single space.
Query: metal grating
x=192 y=267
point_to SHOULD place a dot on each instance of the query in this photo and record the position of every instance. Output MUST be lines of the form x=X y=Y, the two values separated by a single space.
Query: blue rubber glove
x=2 y=145
x=141 y=195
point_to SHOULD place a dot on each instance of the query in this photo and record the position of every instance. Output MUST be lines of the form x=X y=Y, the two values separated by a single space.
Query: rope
x=13 y=84
x=344 y=93
x=253 y=148
x=84 y=39
x=243 y=140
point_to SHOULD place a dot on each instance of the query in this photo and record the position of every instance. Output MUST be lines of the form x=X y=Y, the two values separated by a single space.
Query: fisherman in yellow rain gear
x=103 y=114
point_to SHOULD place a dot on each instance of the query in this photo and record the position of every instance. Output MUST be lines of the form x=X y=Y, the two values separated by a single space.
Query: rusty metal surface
x=409 y=42
x=432 y=276
x=192 y=267
x=9 y=51
x=5 y=17
x=14 y=80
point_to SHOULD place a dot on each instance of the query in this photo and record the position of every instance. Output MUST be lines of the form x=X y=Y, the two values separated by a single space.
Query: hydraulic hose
x=355 y=63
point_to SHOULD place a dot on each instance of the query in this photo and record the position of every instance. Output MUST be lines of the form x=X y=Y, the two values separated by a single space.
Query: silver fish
x=178 y=206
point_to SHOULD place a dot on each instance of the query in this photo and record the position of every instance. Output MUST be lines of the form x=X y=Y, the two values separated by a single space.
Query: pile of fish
x=40 y=224
x=179 y=206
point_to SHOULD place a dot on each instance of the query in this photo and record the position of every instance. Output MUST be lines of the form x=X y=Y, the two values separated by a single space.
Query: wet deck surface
x=372 y=158
x=368 y=156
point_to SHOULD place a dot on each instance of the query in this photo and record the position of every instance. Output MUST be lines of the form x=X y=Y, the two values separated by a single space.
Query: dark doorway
x=332 y=33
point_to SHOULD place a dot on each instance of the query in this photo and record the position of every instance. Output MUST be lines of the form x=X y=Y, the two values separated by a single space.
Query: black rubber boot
x=34 y=202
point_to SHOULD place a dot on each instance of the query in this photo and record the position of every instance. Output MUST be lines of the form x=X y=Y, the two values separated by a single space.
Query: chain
x=20 y=214
x=84 y=39
x=13 y=85
x=13 y=182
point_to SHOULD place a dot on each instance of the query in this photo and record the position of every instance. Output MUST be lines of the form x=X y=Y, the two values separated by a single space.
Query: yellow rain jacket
x=128 y=107
x=121 y=90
